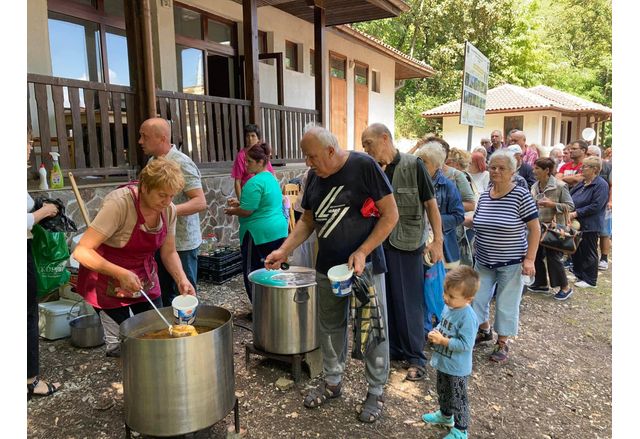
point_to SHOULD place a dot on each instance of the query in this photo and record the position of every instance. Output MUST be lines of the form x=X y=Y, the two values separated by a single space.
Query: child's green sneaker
x=437 y=418
x=454 y=433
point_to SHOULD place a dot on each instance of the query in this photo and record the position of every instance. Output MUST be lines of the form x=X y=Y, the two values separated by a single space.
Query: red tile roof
x=508 y=97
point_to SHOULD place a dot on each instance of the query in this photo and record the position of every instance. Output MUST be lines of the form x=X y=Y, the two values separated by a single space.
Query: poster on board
x=473 y=102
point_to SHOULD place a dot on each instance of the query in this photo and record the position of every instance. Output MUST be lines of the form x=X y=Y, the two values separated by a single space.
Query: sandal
x=370 y=409
x=416 y=373
x=51 y=389
x=318 y=396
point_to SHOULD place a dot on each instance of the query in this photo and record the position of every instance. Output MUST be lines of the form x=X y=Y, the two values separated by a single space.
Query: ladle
x=172 y=333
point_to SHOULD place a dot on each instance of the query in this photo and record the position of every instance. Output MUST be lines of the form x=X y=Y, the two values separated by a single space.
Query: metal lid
x=294 y=277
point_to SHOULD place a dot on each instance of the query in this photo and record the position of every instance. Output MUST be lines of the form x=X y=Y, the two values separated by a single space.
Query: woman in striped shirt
x=504 y=251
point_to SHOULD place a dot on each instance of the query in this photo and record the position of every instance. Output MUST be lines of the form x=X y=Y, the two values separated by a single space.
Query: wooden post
x=252 y=79
x=138 y=110
x=319 y=23
x=147 y=48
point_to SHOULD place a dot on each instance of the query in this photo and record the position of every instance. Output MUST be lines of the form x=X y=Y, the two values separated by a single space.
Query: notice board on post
x=475 y=84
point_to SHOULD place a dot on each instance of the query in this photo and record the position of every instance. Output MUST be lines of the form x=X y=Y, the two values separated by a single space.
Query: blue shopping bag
x=433 y=291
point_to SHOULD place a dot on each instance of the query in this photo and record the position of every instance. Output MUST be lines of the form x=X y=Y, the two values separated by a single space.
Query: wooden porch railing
x=85 y=122
x=211 y=129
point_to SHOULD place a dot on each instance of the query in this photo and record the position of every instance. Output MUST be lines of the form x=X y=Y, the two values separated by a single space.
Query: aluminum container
x=179 y=385
x=285 y=310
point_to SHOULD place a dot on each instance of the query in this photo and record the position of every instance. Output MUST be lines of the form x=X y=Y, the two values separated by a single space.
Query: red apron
x=136 y=256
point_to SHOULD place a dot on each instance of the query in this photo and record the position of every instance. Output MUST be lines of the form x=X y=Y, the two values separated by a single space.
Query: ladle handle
x=157 y=310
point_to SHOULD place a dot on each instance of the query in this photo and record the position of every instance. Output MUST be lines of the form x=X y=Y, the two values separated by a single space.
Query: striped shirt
x=500 y=226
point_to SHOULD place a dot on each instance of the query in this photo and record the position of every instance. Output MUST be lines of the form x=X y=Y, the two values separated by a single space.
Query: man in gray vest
x=414 y=193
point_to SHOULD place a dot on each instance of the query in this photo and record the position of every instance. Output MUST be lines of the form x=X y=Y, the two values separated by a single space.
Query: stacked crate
x=220 y=265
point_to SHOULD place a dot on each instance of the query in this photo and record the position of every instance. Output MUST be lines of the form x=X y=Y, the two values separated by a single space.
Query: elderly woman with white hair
x=449 y=200
x=504 y=251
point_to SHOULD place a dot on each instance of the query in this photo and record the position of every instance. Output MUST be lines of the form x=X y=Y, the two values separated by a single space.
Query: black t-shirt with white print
x=336 y=202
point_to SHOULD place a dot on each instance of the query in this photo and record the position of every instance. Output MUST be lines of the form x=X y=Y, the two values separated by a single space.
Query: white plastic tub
x=55 y=317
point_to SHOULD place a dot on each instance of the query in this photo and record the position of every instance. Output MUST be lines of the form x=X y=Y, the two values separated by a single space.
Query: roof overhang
x=564 y=112
x=406 y=67
x=339 y=11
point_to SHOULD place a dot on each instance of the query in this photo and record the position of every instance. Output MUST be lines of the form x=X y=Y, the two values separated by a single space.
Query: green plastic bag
x=50 y=254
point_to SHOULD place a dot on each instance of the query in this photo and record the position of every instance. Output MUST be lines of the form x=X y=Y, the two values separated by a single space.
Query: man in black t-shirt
x=414 y=194
x=340 y=186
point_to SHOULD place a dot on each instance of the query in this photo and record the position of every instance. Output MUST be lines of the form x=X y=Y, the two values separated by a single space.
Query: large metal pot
x=179 y=385
x=285 y=307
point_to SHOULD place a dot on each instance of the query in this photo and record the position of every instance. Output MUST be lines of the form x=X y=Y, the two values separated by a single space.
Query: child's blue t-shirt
x=460 y=325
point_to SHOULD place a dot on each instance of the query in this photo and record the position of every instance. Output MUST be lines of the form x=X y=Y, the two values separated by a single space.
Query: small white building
x=546 y=115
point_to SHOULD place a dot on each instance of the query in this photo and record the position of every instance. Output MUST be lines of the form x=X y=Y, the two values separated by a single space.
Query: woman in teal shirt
x=263 y=226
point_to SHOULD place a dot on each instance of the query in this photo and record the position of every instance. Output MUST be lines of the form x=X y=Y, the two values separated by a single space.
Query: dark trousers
x=553 y=268
x=33 y=355
x=189 y=260
x=453 y=400
x=405 y=305
x=585 y=259
x=253 y=256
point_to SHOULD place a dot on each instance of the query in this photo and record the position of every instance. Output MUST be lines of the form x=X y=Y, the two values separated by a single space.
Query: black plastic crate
x=220 y=260
x=220 y=276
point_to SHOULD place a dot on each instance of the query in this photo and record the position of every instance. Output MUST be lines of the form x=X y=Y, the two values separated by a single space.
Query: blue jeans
x=189 y=260
x=508 y=286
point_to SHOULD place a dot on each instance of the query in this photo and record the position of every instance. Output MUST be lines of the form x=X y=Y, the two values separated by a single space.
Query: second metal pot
x=86 y=331
x=285 y=317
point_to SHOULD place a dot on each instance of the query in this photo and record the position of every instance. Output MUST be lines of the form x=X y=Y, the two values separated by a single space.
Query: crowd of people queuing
x=428 y=202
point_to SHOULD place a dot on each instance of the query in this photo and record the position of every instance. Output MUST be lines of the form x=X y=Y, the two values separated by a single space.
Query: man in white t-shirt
x=155 y=140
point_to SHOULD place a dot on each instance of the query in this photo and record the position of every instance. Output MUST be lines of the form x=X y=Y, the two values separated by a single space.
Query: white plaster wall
x=164 y=46
x=39 y=54
x=457 y=134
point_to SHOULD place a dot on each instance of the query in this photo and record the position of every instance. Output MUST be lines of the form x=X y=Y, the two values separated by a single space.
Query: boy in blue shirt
x=452 y=342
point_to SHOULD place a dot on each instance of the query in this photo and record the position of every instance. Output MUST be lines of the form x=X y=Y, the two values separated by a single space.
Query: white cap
x=514 y=149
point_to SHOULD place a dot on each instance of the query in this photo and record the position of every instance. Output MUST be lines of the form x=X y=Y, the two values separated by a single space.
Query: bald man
x=155 y=140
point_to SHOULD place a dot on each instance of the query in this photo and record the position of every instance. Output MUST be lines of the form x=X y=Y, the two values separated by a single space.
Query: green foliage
x=565 y=44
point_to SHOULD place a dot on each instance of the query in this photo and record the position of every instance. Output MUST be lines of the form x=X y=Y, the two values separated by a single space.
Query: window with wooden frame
x=375 y=81
x=543 y=138
x=513 y=123
x=337 y=67
x=361 y=74
x=87 y=40
x=553 y=131
x=206 y=46
x=291 y=59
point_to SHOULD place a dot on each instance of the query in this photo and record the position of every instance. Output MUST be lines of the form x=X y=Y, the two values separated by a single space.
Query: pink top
x=239 y=170
x=530 y=157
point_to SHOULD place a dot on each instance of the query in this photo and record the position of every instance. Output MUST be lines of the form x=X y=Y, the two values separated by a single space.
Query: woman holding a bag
x=35 y=386
x=116 y=253
x=554 y=203
x=590 y=197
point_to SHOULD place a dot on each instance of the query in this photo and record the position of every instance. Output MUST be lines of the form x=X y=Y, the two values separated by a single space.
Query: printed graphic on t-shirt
x=329 y=213
x=447 y=329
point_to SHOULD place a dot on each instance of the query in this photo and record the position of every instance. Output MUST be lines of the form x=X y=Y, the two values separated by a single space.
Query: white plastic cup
x=184 y=309
x=527 y=280
x=341 y=278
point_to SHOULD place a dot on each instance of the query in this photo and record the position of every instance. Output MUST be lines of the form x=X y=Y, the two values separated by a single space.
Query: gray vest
x=411 y=230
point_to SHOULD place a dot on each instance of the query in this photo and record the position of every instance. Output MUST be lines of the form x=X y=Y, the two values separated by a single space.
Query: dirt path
x=557 y=384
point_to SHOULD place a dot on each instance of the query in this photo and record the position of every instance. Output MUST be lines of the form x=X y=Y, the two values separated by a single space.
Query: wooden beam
x=147 y=46
x=136 y=110
x=319 y=42
x=252 y=78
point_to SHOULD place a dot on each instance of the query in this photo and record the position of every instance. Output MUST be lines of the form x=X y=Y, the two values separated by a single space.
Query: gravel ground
x=557 y=383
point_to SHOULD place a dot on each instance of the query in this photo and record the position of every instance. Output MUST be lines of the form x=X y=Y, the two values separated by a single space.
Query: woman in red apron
x=116 y=252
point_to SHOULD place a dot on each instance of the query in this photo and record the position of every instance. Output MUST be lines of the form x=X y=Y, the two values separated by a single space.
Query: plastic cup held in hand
x=527 y=280
x=184 y=309
x=341 y=278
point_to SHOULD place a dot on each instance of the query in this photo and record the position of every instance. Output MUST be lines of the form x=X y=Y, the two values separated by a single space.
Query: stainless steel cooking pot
x=285 y=307
x=181 y=385
x=86 y=331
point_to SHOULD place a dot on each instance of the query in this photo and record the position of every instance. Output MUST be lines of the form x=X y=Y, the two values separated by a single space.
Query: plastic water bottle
x=209 y=245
